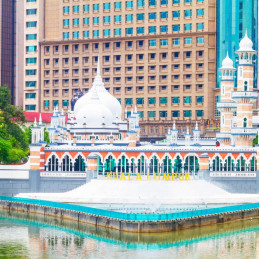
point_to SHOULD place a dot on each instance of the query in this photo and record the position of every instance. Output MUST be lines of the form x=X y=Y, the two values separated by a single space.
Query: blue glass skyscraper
x=234 y=17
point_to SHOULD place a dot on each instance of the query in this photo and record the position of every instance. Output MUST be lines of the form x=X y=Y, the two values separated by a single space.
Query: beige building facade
x=158 y=55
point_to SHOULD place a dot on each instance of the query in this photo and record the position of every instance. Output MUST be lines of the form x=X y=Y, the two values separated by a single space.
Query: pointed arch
x=52 y=163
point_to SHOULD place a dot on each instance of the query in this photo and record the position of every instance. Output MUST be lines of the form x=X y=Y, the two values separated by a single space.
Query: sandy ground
x=147 y=192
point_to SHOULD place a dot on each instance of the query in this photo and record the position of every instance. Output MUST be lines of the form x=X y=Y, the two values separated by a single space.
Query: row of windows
x=129 y=17
x=128 y=5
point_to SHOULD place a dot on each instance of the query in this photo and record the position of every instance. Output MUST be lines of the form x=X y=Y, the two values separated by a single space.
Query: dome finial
x=98 y=67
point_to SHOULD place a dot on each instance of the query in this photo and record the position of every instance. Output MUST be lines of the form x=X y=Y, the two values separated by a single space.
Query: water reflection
x=31 y=236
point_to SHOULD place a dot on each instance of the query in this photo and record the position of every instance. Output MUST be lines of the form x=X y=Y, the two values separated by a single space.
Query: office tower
x=7 y=45
x=159 y=55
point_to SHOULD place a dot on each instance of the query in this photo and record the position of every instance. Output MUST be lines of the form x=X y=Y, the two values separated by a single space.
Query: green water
x=29 y=236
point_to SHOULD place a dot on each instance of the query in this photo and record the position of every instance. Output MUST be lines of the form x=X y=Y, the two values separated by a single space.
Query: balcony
x=243 y=94
x=227 y=105
x=244 y=131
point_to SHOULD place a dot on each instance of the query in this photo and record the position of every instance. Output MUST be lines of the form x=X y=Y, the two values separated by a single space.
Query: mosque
x=95 y=138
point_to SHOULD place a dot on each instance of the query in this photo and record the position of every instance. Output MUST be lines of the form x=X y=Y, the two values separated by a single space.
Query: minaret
x=227 y=106
x=196 y=134
x=245 y=96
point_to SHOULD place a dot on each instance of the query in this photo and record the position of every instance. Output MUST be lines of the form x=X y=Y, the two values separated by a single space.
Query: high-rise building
x=234 y=18
x=7 y=45
x=159 y=55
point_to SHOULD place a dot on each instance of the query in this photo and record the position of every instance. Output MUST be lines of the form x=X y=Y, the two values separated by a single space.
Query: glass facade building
x=234 y=17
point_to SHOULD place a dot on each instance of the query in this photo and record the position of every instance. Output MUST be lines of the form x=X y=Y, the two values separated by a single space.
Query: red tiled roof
x=46 y=116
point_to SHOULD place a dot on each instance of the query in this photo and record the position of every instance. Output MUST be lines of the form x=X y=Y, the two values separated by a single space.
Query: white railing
x=243 y=131
x=226 y=105
x=243 y=94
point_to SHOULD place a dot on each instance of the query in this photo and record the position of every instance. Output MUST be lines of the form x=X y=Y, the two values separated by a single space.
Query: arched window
x=154 y=165
x=132 y=166
x=241 y=164
x=110 y=164
x=253 y=166
x=191 y=164
x=66 y=164
x=141 y=164
x=217 y=164
x=245 y=122
x=245 y=86
x=80 y=164
x=53 y=164
x=100 y=165
x=167 y=165
x=229 y=164
x=123 y=165
x=178 y=164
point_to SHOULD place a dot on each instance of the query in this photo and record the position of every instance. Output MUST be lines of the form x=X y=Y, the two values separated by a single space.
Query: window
x=199 y=113
x=128 y=101
x=86 y=21
x=176 y=27
x=163 y=15
x=66 y=22
x=30 y=107
x=117 y=18
x=106 y=19
x=141 y=3
x=217 y=99
x=200 y=12
x=129 y=31
x=187 y=113
x=30 y=61
x=31 y=11
x=151 y=114
x=31 y=48
x=76 y=22
x=176 y=1
x=86 y=8
x=188 y=27
x=31 y=72
x=187 y=13
x=163 y=28
x=199 y=99
x=200 y=26
x=163 y=100
x=164 y=2
x=129 y=4
x=140 y=17
x=46 y=103
x=96 y=7
x=176 y=100
x=140 y=101
x=117 y=32
x=66 y=9
x=96 y=20
x=187 y=99
x=163 y=114
x=188 y=40
x=152 y=56
x=129 y=44
x=95 y=33
x=66 y=35
x=152 y=2
x=188 y=54
x=129 y=17
x=175 y=114
x=30 y=95
x=176 y=14
x=164 y=42
x=86 y=34
x=75 y=34
x=152 y=29
x=140 y=30
x=117 y=5
x=30 y=83
x=152 y=100
x=76 y=9
x=152 y=16
x=106 y=6
x=31 y=36
x=106 y=32
x=188 y=1
x=176 y=41
x=200 y=40
x=31 y=24
x=152 y=43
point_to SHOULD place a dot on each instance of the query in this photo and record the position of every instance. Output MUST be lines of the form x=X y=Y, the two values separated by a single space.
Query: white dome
x=105 y=98
x=246 y=44
x=227 y=63
x=94 y=113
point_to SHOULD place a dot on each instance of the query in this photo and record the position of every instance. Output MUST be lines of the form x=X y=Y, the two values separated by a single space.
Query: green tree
x=255 y=141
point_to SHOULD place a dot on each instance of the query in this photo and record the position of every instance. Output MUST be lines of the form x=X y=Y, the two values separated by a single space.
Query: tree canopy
x=14 y=141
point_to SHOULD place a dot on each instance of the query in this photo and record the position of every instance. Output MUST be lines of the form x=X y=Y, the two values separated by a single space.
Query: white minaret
x=196 y=134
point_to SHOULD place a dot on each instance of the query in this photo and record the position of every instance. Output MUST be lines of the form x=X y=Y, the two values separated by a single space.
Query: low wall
x=139 y=223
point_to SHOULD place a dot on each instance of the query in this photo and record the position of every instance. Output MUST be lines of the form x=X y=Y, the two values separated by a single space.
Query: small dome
x=246 y=44
x=105 y=98
x=227 y=63
x=94 y=113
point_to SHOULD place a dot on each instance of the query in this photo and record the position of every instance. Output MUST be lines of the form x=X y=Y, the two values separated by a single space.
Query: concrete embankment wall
x=138 y=226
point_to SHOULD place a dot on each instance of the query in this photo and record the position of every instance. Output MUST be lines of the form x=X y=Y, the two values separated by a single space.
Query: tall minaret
x=245 y=96
x=227 y=106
